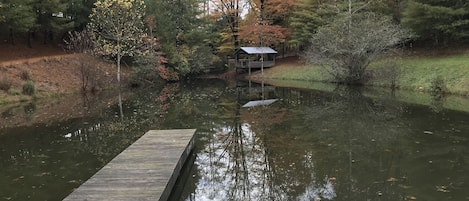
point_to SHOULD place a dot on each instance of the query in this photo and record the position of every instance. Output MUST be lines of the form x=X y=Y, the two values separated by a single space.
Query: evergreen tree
x=1 y=14
x=307 y=17
x=185 y=35
x=438 y=21
x=19 y=17
x=80 y=11
x=53 y=17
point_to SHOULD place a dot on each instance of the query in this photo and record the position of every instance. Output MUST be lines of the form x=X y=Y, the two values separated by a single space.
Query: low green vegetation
x=449 y=73
x=29 y=88
x=5 y=83
x=417 y=73
x=297 y=72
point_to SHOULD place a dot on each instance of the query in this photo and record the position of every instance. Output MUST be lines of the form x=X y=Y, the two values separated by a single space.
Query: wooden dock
x=146 y=170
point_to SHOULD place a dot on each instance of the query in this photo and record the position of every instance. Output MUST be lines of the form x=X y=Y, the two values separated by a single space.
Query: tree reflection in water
x=236 y=162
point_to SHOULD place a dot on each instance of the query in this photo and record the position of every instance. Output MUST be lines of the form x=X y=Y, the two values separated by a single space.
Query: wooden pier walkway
x=146 y=170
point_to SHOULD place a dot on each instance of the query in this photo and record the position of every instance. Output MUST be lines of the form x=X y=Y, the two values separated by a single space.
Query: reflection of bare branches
x=237 y=163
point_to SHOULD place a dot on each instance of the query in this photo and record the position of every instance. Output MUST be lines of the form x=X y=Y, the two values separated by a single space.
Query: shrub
x=5 y=84
x=29 y=88
x=438 y=86
x=349 y=44
x=25 y=75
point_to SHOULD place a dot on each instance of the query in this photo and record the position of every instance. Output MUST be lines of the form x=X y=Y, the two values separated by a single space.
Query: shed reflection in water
x=339 y=145
x=308 y=145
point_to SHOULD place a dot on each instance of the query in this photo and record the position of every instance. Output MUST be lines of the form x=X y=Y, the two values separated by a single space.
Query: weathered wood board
x=146 y=170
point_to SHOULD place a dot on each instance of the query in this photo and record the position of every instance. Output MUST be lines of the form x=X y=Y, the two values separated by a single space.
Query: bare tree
x=350 y=43
x=230 y=11
x=81 y=43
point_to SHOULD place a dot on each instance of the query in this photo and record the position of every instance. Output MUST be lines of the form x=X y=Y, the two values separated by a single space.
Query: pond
x=337 y=144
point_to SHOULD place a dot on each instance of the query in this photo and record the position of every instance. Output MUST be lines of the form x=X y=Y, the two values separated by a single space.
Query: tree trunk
x=30 y=39
x=45 y=37
x=119 y=67
x=12 y=37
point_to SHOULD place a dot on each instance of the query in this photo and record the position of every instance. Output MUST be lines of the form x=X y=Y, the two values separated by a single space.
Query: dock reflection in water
x=341 y=144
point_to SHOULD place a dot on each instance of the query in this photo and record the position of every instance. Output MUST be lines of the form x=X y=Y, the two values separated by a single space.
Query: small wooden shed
x=255 y=57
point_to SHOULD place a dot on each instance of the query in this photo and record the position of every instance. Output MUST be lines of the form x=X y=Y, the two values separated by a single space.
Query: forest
x=197 y=36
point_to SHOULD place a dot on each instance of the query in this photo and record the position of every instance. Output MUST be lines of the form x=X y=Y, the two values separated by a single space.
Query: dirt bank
x=52 y=71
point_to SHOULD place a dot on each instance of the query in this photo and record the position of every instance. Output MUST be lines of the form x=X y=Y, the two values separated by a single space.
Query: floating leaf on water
x=332 y=179
x=442 y=188
x=42 y=174
x=17 y=179
x=428 y=132
x=410 y=197
x=392 y=179
x=41 y=156
x=404 y=186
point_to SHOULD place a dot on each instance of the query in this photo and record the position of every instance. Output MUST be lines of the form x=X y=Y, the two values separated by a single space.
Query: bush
x=5 y=84
x=29 y=88
x=438 y=86
x=350 y=43
x=25 y=75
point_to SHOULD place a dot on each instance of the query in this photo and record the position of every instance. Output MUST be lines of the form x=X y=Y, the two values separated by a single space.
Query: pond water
x=308 y=145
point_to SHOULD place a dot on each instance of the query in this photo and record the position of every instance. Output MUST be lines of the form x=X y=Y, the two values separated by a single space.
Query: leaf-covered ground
x=50 y=69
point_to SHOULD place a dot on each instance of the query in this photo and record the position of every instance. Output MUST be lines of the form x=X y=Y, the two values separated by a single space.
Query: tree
x=80 y=10
x=19 y=17
x=118 y=28
x=228 y=12
x=266 y=22
x=349 y=43
x=186 y=36
x=439 y=21
x=1 y=15
x=309 y=15
x=52 y=17
x=306 y=19
x=82 y=43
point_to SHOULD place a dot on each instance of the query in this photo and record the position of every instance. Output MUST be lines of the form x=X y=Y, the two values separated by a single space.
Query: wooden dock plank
x=146 y=170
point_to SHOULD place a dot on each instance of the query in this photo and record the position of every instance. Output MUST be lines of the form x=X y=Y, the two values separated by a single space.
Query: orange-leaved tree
x=266 y=22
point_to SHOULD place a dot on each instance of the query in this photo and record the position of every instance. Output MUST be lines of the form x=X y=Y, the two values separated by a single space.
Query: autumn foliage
x=255 y=33
x=266 y=22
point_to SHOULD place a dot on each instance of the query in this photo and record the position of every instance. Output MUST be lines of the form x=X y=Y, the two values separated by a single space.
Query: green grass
x=295 y=72
x=415 y=73
x=418 y=73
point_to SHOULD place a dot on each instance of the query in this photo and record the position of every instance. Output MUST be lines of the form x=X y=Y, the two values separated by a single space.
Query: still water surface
x=308 y=145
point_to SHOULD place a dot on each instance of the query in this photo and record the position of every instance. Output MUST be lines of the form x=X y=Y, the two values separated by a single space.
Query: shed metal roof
x=259 y=103
x=258 y=50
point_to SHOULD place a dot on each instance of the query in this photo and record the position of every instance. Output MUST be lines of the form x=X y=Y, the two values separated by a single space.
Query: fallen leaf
x=443 y=189
x=392 y=179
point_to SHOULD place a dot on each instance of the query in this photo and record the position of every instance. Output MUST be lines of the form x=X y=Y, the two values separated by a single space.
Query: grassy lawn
x=423 y=73
x=415 y=73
